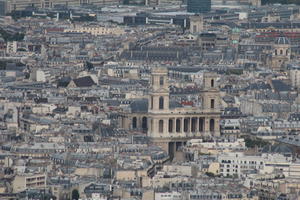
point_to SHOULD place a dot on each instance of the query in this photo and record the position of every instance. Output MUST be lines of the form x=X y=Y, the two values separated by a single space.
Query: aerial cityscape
x=149 y=100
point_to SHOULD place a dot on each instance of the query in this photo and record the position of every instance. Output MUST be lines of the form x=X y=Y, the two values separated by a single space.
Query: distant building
x=26 y=181
x=196 y=24
x=2 y=7
x=282 y=52
x=198 y=6
x=22 y=5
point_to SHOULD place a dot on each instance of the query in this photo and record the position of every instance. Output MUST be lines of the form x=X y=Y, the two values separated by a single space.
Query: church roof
x=141 y=105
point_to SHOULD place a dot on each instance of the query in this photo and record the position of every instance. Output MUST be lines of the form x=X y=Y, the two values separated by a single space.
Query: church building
x=168 y=123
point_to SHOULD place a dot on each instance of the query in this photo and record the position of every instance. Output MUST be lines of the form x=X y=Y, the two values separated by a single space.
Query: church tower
x=196 y=24
x=211 y=103
x=159 y=91
x=210 y=94
x=158 y=103
x=281 y=52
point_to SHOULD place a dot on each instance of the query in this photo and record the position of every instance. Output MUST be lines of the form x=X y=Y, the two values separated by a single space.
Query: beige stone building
x=196 y=24
x=96 y=30
x=29 y=181
x=23 y=4
x=281 y=53
x=168 y=123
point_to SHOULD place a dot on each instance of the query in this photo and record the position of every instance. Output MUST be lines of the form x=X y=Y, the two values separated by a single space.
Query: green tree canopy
x=75 y=194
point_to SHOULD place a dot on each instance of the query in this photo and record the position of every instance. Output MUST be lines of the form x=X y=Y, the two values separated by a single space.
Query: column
x=149 y=124
x=217 y=127
x=174 y=125
x=166 y=127
x=182 y=125
x=206 y=125
x=197 y=125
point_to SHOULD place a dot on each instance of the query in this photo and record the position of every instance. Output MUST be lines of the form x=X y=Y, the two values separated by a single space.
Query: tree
x=89 y=66
x=210 y=174
x=75 y=194
x=251 y=143
x=11 y=36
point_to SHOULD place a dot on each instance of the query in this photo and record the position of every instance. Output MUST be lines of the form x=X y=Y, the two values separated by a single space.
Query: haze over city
x=149 y=100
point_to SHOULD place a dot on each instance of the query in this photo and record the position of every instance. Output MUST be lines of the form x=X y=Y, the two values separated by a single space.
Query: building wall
x=21 y=183
x=295 y=77
x=126 y=175
x=23 y=4
x=97 y=30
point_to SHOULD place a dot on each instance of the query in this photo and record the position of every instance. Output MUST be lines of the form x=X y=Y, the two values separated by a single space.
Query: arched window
x=161 y=126
x=276 y=52
x=212 y=103
x=134 y=122
x=170 y=125
x=281 y=52
x=212 y=83
x=178 y=125
x=144 y=123
x=211 y=125
x=161 y=81
x=161 y=103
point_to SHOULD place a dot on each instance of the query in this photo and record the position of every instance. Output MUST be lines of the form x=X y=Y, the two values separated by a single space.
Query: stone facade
x=170 y=126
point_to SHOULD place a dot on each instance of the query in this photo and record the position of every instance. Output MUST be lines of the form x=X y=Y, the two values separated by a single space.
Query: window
x=161 y=126
x=212 y=83
x=161 y=81
x=281 y=52
x=212 y=125
x=276 y=52
x=186 y=123
x=178 y=121
x=212 y=103
x=151 y=102
x=134 y=122
x=170 y=125
x=161 y=103
x=194 y=122
x=144 y=123
x=201 y=124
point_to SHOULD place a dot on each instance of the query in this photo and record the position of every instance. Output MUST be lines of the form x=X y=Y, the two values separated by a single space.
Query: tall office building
x=198 y=6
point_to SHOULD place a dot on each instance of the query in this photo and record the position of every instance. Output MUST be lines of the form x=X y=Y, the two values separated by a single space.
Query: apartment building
x=28 y=181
